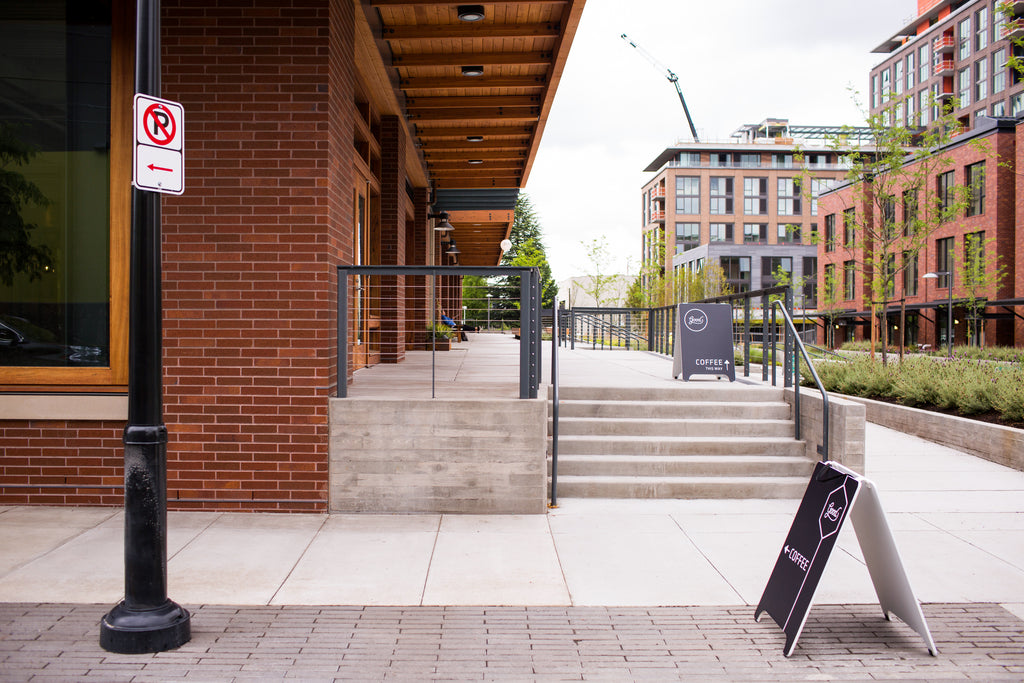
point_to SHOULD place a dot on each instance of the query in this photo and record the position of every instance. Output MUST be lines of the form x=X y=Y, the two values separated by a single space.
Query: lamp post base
x=137 y=631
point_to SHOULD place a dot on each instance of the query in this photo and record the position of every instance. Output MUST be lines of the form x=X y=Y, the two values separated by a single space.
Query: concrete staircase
x=700 y=440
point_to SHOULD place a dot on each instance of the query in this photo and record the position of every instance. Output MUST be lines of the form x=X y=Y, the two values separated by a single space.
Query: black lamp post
x=949 y=306
x=146 y=620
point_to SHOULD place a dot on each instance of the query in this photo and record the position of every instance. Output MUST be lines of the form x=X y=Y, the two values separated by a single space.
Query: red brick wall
x=1003 y=206
x=62 y=463
x=249 y=256
x=248 y=271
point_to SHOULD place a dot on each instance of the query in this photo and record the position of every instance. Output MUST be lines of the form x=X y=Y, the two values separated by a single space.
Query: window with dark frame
x=909 y=212
x=849 y=227
x=910 y=274
x=944 y=261
x=830 y=232
x=975 y=176
x=944 y=190
x=849 y=280
x=810 y=276
x=788 y=196
x=755 y=233
x=720 y=232
x=720 y=193
x=755 y=196
x=687 y=236
x=688 y=195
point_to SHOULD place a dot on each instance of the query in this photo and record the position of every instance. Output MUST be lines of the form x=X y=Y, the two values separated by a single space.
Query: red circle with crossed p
x=159 y=124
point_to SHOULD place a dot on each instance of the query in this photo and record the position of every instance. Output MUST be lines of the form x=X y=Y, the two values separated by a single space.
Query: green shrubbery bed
x=963 y=385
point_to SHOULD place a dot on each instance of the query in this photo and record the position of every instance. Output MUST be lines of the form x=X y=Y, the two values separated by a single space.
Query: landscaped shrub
x=965 y=386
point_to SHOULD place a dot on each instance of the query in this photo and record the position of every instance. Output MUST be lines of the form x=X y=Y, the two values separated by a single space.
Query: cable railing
x=386 y=313
x=624 y=328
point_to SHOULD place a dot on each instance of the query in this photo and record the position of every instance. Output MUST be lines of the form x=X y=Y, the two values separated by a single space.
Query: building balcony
x=945 y=66
x=658 y=217
x=945 y=89
x=1014 y=29
x=658 y=193
x=944 y=44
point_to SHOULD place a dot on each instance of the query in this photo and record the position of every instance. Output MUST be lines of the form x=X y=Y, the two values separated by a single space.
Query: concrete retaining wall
x=845 y=428
x=438 y=455
x=1003 y=445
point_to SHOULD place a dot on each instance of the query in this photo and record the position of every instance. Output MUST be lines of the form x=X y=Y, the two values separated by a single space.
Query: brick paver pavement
x=54 y=642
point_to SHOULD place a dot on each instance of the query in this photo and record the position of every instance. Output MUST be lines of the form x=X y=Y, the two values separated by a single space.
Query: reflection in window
x=55 y=151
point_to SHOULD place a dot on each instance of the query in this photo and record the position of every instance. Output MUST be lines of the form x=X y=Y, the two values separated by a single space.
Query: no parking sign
x=159 y=156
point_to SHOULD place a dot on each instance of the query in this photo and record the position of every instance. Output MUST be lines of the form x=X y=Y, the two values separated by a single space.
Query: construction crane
x=672 y=78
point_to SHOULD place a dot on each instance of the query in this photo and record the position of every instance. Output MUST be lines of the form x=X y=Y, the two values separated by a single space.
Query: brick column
x=392 y=238
x=417 y=294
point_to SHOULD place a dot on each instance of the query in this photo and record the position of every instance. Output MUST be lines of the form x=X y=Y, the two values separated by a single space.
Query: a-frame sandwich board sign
x=833 y=494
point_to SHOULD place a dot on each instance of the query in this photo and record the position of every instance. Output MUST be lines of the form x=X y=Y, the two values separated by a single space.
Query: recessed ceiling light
x=472 y=71
x=474 y=138
x=471 y=12
x=476 y=161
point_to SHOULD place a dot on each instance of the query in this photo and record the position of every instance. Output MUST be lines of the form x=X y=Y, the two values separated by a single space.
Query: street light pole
x=949 y=304
x=146 y=620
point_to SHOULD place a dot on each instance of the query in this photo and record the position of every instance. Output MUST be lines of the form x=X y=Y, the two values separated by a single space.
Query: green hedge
x=961 y=384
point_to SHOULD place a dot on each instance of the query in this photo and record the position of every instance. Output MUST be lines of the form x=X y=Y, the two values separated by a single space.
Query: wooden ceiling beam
x=430 y=145
x=458 y=166
x=475 y=114
x=426 y=130
x=415 y=103
x=472 y=58
x=415 y=32
x=481 y=181
x=519 y=153
x=461 y=82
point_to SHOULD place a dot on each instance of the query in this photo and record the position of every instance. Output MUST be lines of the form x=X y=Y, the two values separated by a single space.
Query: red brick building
x=986 y=160
x=317 y=133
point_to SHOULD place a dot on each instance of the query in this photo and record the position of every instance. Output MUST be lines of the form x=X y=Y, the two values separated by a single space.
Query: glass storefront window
x=55 y=142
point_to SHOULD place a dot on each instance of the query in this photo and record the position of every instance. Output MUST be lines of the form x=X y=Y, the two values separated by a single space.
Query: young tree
x=978 y=273
x=898 y=167
x=599 y=281
x=829 y=308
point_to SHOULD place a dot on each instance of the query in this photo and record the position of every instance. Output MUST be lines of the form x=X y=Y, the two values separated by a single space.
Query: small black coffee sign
x=703 y=343
x=790 y=590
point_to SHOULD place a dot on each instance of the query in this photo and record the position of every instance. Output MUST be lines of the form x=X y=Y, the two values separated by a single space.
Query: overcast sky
x=738 y=62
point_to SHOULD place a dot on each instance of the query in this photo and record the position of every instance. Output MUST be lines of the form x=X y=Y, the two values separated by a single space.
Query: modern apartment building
x=954 y=52
x=740 y=204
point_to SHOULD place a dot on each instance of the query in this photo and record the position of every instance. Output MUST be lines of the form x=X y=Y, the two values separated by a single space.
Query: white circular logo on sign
x=695 y=320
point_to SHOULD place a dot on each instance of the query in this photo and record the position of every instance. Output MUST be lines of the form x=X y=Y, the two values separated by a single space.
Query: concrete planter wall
x=1003 y=445
x=846 y=427
x=438 y=455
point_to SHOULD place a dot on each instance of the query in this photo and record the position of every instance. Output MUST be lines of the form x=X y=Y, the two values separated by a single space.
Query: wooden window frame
x=113 y=378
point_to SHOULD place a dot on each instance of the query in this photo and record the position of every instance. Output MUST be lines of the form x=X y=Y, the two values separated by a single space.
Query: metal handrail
x=529 y=314
x=554 y=409
x=794 y=368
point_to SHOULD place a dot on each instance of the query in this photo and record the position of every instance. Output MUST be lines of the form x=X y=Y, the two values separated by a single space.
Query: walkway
x=594 y=590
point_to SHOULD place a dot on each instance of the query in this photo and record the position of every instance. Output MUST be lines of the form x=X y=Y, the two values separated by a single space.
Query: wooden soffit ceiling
x=521 y=47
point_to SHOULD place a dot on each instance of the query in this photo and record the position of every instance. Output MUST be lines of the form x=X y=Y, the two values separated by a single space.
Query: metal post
x=554 y=407
x=525 y=336
x=146 y=620
x=746 y=337
x=789 y=359
x=764 y=343
x=342 y=333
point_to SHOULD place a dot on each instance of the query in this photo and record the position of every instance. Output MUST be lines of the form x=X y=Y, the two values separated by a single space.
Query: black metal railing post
x=554 y=409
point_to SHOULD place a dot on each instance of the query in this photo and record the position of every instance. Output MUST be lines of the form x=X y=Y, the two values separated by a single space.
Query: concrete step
x=676 y=445
x=739 y=410
x=684 y=465
x=571 y=486
x=695 y=391
x=630 y=427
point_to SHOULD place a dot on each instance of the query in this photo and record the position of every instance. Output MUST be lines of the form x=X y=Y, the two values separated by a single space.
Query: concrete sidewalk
x=594 y=590
x=958 y=522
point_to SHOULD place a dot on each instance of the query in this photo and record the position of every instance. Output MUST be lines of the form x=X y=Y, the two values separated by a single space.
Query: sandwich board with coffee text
x=703 y=343
x=834 y=494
